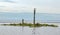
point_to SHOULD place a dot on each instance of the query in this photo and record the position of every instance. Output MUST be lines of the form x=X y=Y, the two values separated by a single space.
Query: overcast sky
x=42 y=6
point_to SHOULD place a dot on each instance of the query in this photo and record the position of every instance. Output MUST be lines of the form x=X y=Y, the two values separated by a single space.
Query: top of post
x=34 y=8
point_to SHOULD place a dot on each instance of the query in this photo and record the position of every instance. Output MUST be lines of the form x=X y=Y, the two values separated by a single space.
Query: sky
x=18 y=6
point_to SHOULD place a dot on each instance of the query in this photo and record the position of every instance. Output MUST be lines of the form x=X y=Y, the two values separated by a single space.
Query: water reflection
x=33 y=31
x=40 y=31
x=21 y=30
x=29 y=31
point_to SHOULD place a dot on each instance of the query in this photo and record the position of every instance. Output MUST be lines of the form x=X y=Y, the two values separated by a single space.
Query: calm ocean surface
x=28 y=17
x=20 y=30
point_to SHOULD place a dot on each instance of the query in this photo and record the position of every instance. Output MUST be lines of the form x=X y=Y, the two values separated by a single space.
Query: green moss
x=30 y=25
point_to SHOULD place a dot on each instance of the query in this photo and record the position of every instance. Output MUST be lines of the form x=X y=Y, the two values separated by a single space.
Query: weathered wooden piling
x=34 y=16
x=22 y=21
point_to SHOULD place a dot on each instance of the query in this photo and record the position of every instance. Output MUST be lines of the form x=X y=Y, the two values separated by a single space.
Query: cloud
x=43 y=6
x=6 y=1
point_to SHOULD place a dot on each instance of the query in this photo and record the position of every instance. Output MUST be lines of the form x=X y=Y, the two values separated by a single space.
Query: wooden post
x=22 y=21
x=34 y=16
